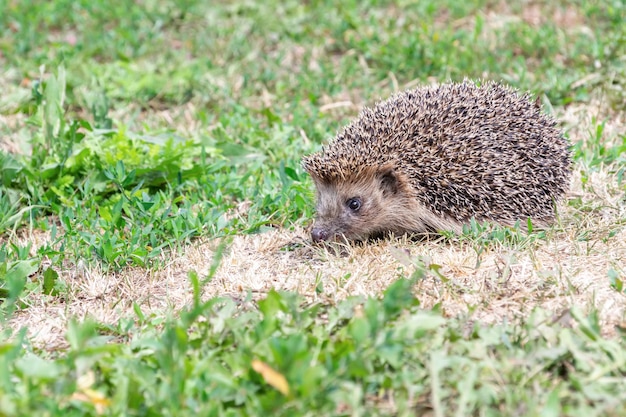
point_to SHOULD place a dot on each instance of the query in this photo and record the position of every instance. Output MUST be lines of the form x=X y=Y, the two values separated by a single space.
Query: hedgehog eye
x=354 y=203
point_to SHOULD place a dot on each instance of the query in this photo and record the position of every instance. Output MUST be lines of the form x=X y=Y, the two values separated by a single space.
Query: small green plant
x=595 y=152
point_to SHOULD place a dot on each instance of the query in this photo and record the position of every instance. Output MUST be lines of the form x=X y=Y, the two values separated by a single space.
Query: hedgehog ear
x=390 y=182
x=307 y=165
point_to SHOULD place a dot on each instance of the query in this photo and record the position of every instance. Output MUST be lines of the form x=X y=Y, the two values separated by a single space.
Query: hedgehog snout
x=319 y=234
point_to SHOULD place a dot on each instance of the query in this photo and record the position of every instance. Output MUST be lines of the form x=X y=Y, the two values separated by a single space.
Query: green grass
x=141 y=127
x=345 y=360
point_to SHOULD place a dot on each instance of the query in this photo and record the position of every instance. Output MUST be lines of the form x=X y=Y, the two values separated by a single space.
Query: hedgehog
x=433 y=158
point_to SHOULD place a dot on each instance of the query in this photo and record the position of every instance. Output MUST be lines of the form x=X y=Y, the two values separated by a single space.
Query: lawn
x=154 y=250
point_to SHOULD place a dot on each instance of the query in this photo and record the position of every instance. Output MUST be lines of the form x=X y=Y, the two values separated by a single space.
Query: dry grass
x=508 y=283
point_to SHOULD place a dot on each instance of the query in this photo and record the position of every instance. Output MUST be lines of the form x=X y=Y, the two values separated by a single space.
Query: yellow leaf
x=99 y=401
x=275 y=379
x=88 y=395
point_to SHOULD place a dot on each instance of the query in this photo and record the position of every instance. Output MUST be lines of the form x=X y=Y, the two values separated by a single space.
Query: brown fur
x=388 y=205
x=433 y=158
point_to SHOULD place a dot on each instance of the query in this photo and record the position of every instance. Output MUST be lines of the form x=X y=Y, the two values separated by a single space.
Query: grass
x=153 y=252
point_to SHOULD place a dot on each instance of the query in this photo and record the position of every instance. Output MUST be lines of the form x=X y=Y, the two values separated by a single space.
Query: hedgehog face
x=355 y=208
x=341 y=211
